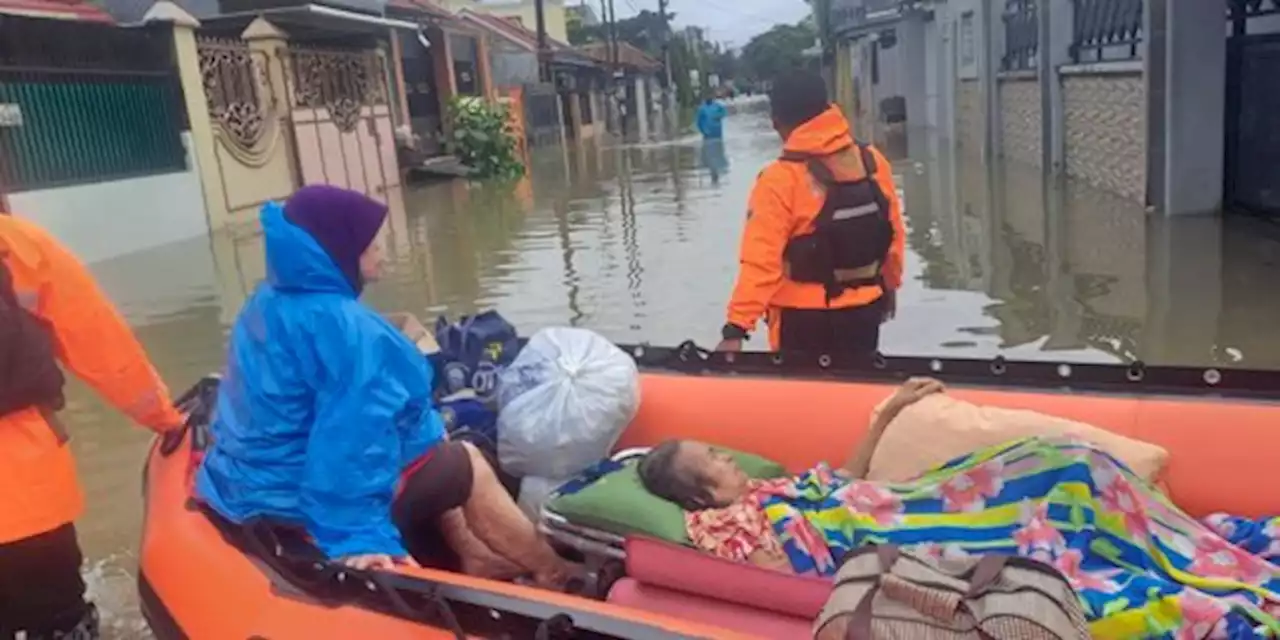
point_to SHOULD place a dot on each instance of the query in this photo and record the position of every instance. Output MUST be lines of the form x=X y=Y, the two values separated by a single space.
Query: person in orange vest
x=52 y=313
x=822 y=252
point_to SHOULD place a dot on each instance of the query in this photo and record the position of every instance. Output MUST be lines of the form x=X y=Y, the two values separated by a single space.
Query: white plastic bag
x=563 y=403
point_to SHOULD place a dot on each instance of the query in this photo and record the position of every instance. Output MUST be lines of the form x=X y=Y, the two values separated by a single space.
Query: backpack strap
x=817 y=168
x=824 y=174
x=868 y=159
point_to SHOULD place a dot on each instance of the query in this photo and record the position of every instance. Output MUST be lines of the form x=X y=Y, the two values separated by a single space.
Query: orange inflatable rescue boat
x=199 y=579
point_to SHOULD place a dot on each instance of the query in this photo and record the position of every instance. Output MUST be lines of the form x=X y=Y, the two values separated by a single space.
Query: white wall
x=104 y=220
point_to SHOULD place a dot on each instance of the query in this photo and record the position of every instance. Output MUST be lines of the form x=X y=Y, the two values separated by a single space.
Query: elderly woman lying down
x=1141 y=567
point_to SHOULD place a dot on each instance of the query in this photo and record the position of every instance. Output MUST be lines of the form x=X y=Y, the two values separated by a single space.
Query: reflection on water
x=640 y=243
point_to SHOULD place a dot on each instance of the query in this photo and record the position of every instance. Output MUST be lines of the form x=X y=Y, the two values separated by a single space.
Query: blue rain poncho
x=322 y=405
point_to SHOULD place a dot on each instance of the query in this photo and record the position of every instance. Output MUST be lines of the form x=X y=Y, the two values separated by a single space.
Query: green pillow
x=618 y=503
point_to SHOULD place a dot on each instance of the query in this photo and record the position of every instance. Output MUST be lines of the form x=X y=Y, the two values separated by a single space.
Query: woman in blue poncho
x=325 y=420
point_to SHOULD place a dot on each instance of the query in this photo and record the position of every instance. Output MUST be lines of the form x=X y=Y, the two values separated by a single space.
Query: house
x=572 y=102
x=445 y=58
x=636 y=90
x=583 y=13
x=55 y=9
x=1158 y=103
x=523 y=12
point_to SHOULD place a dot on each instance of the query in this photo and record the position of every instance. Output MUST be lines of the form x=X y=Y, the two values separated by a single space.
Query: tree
x=644 y=30
x=725 y=64
x=682 y=60
x=777 y=51
x=578 y=32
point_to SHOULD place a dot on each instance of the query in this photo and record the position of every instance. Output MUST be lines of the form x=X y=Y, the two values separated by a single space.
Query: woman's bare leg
x=496 y=520
x=476 y=556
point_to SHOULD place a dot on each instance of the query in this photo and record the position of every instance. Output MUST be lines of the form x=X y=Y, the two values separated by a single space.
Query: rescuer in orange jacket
x=51 y=313
x=822 y=251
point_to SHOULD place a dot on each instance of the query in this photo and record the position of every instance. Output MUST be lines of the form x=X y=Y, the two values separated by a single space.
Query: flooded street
x=640 y=244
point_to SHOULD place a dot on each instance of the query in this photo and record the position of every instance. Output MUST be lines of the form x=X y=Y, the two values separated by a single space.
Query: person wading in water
x=822 y=252
x=52 y=313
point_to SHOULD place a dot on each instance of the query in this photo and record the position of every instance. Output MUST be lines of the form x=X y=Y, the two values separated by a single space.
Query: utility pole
x=608 y=50
x=608 y=31
x=544 y=53
x=613 y=33
x=666 y=53
x=613 y=71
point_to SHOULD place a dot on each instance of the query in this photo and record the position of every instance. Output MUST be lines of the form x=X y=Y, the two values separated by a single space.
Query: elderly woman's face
x=724 y=480
x=373 y=260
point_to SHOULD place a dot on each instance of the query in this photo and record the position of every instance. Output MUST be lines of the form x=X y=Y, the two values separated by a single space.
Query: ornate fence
x=342 y=119
x=238 y=93
x=1106 y=30
x=1245 y=9
x=343 y=82
x=1021 y=36
x=83 y=102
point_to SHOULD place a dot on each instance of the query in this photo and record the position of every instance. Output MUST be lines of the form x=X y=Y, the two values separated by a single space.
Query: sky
x=735 y=21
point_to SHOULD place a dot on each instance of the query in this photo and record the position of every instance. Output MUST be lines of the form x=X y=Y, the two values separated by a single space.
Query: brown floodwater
x=639 y=243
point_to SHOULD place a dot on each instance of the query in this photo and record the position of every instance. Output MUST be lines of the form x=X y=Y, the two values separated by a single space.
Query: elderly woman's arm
x=354 y=454
x=911 y=391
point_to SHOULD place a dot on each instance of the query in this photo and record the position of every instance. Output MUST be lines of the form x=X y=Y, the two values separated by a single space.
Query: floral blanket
x=1141 y=567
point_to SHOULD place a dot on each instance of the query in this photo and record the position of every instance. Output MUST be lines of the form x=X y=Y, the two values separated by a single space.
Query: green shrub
x=483 y=140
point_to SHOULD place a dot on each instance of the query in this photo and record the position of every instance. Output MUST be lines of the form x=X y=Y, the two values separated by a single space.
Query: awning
x=857 y=18
x=313 y=19
x=872 y=23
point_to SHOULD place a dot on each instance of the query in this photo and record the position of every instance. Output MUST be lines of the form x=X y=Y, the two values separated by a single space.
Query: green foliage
x=682 y=61
x=645 y=30
x=579 y=33
x=777 y=51
x=483 y=140
x=725 y=64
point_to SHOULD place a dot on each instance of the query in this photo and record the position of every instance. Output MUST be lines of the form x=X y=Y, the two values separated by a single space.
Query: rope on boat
x=1132 y=378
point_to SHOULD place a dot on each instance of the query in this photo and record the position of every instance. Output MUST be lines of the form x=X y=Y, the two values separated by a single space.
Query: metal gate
x=1252 y=163
x=342 y=119
x=544 y=123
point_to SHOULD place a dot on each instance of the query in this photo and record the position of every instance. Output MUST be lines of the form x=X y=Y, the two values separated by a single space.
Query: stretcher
x=596 y=545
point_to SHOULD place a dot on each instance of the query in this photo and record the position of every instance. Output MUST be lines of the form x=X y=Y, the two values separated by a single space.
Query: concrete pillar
x=1066 y=314
x=563 y=138
x=483 y=68
x=187 y=57
x=1056 y=18
x=446 y=83
x=575 y=116
x=270 y=43
x=397 y=77
x=912 y=59
x=1154 y=50
x=1184 y=295
x=1194 y=106
x=992 y=37
x=642 y=108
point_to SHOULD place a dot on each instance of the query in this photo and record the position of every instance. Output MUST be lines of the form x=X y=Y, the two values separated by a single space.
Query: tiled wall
x=1106 y=131
x=1021 y=133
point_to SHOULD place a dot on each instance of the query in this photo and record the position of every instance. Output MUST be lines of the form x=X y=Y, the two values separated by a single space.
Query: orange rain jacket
x=38 y=487
x=784 y=204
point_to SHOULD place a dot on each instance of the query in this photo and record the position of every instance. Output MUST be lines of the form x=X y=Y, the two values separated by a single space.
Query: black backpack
x=852 y=233
x=29 y=373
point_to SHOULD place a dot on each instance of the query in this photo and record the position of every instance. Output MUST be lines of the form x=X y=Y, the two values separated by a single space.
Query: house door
x=1253 y=117
x=423 y=97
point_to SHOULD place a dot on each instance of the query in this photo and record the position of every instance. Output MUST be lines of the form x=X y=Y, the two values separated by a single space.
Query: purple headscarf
x=343 y=222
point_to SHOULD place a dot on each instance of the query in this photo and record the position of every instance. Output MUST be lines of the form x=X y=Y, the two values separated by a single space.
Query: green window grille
x=86 y=103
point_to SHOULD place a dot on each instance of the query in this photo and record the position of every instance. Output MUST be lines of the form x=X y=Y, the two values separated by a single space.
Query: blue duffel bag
x=473 y=352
